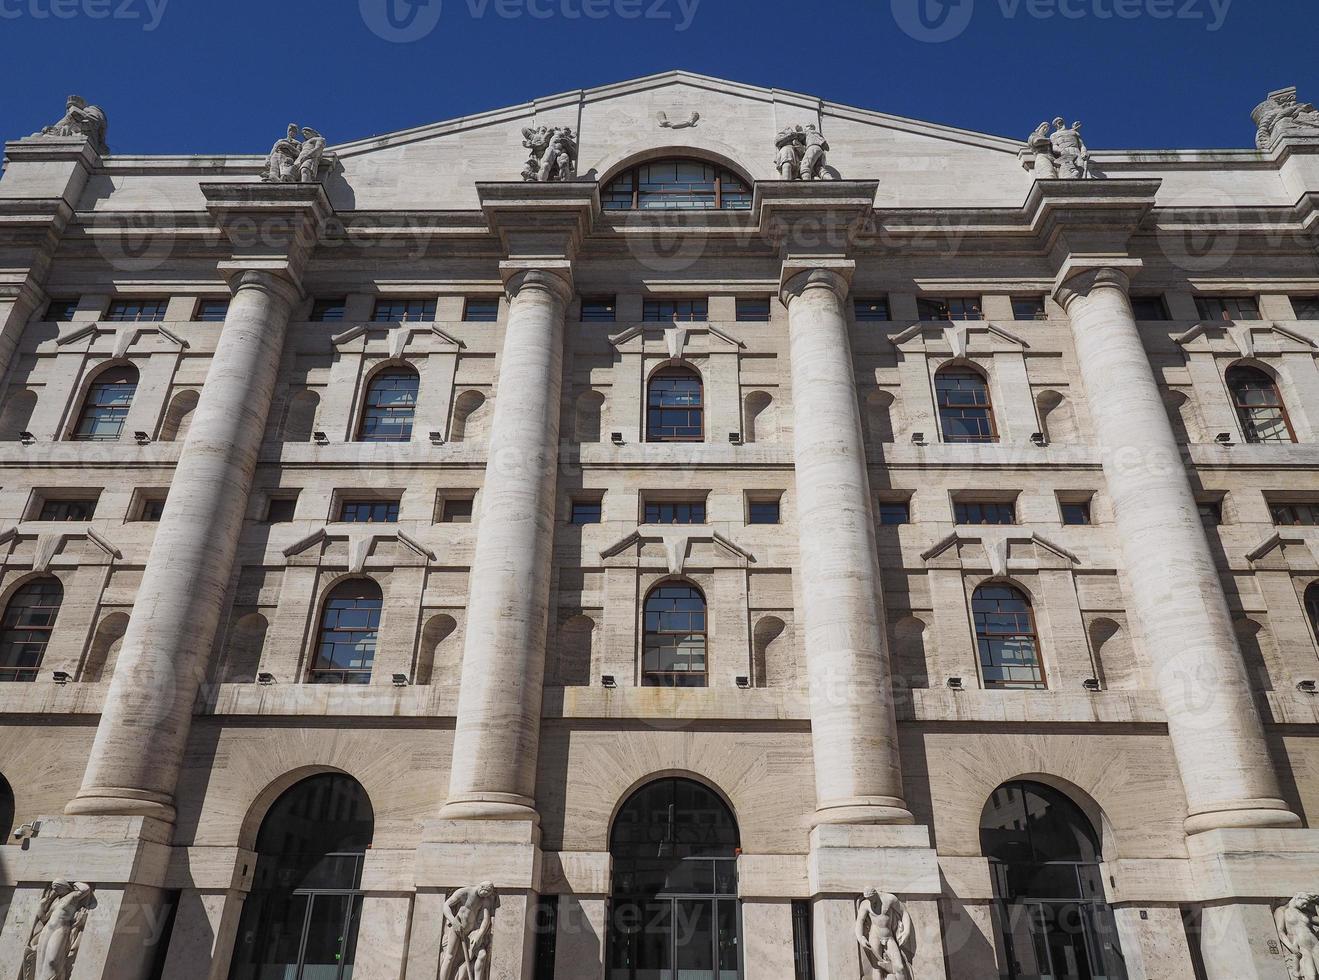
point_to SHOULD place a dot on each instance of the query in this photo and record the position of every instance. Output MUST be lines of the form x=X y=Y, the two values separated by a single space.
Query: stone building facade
x=745 y=502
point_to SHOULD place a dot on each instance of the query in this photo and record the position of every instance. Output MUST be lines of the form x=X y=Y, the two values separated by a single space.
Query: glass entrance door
x=675 y=939
x=1051 y=940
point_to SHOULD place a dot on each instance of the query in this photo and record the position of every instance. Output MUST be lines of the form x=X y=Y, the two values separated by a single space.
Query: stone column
x=140 y=743
x=858 y=775
x=1177 y=596
x=498 y=727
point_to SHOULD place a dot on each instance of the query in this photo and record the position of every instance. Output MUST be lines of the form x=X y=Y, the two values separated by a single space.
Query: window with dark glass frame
x=416 y=310
x=599 y=309
x=1306 y=307
x=1149 y=308
x=1259 y=405
x=26 y=628
x=966 y=409
x=1075 y=512
x=346 y=642
x=1029 y=308
x=152 y=509
x=481 y=311
x=1008 y=644
x=874 y=310
x=674 y=637
x=677 y=185
x=1210 y=511
x=753 y=310
x=950 y=308
x=280 y=510
x=1227 y=307
x=457 y=510
x=328 y=310
x=106 y=406
x=68 y=509
x=764 y=511
x=675 y=512
x=676 y=408
x=369 y=512
x=60 y=311
x=984 y=512
x=685 y=310
x=587 y=510
x=211 y=311
x=894 y=512
x=137 y=311
x=391 y=406
x=1295 y=513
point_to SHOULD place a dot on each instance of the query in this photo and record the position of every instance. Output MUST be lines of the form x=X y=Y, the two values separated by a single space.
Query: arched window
x=1005 y=635
x=676 y=401
x=1259 y=406
x=106 y=407
x=678 y=185
x=673 y=653
x=966 y=413
x=674 y=911
x=391 y=406
x=25 y=630
x=346 y=645
x=302 y=915
x=1049 y=906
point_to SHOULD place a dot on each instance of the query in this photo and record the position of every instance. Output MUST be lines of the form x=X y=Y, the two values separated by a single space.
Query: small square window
x=683 y=310
x=481 y=311
x=599 y=309
x=1029 y=308
x=404 y=311
x=1149 y=308
x=871 y=310
x=587 y=511
x=369 y=512
x=1227 y=308
x=985 y=512
x=894 y=512
x=1211 y=512
x=675 y=512
x=211 y=311
x=754 y=310
x=1076 y=513
x=137 y=311
x=68 y=509
x=328 y=310
x=457 y=510
x=280 y=510
x=1306 y=307
x=60 y=310
x=764 y=512
x=952 y=308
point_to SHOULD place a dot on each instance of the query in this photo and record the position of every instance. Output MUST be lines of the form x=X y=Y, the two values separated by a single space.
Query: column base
x=884 y=810
x=118 y=802
x=1244 y=814
x=490 y=806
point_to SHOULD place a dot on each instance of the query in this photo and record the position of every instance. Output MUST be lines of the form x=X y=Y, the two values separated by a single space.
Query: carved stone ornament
x=293 y=161
x=802 y=153
x=553 y=154
x=53 y=944
x=887 y=936
x=80 y=120
x=1280 y=117
x=665 y=122
x=469 y=924
x=1060 y=155
x=1298 y=928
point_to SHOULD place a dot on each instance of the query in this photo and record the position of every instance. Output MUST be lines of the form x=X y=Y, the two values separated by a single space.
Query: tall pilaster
x=1177 y=595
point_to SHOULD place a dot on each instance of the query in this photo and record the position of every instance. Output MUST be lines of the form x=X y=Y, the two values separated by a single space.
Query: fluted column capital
x=1080 y=275
x=797 y=278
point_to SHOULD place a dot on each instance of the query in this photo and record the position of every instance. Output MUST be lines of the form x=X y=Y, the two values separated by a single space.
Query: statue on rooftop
x=553 y=155
x=1281 y=117
x=80 y=120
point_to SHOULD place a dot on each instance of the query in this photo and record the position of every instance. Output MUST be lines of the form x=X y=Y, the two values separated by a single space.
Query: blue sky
x=199 y=76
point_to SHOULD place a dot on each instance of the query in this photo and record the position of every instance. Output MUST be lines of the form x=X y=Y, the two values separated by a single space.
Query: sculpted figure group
x=80 y=119
x=1061 y=155
x=53 y=945
x=1281 y=117
x=469 y=922
x=553 y=154
x=887 y=936
x=1298 y=928
x=803 y=153
x=293 y=161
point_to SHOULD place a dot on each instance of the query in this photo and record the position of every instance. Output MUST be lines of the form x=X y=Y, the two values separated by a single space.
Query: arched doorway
x=674 y=909
x=301 y=918
x=1044 y=856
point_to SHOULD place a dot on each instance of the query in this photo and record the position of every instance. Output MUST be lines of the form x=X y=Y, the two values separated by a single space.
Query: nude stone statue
x=1070 y=151
x=1298 y=928
x=802 y=153
x=469 y=920
x=80 y=120
x=308 y=162
x=282 y=158
x=55 y=933
x=813 y=162
x=553 y=154
x=1041 y=149
x=886 y=935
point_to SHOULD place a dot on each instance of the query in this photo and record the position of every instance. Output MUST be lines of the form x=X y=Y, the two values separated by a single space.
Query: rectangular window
x=894 y=512
x=211 y=311
x=985 y=512
x=70 y=509
x=1029 y=308
x=1295 y=514
x=684 y=310
x=280 y=510
x=457 y=510
x=587 y=511
x=803 y=941
x=675 y=512
x=404 y=311
x=764 y=512
x=753 y=310
x=151 y=510
x=951 y=308
x=481 y=311
x=599 y=309
x=137 y=311
x=1150 y=308
x=60 y=310
x=871 y=310
x=1306 y=307
x=1075 y=513
x=369 y=512
x=1211 y=512
x=328 y=310
x=1227 y=307
x=546 y=928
